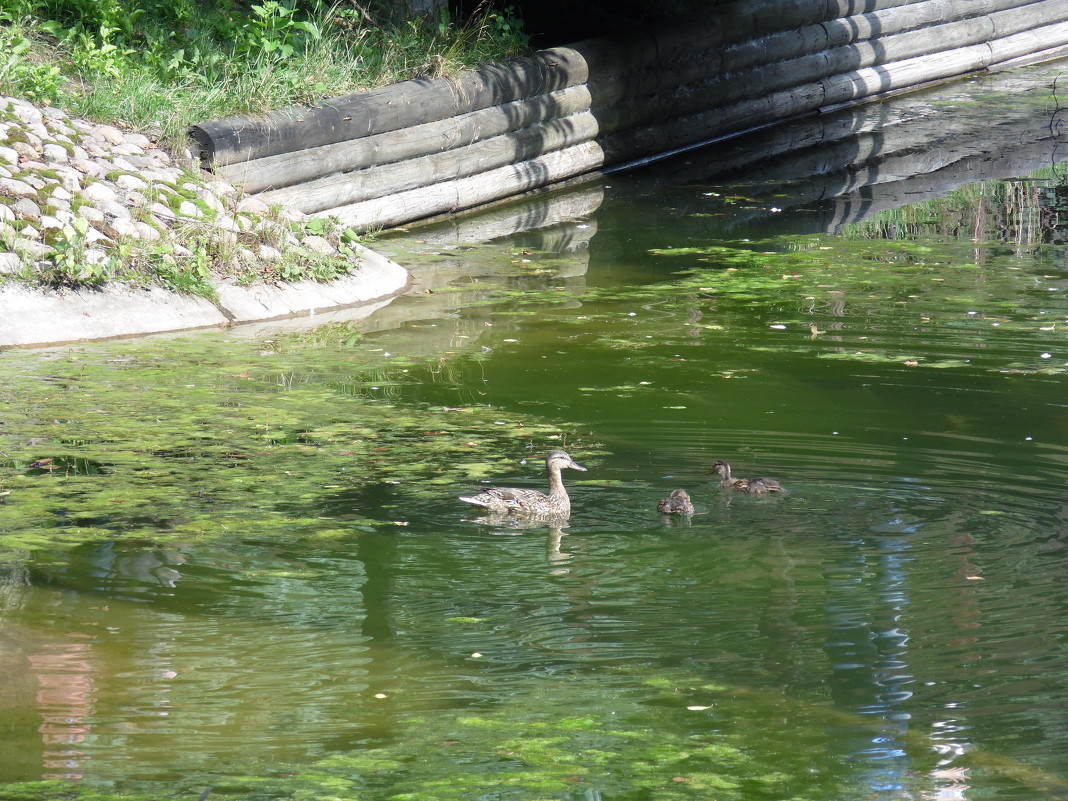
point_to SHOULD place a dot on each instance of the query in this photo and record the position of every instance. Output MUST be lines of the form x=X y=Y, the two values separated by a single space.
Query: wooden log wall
x=429 y=146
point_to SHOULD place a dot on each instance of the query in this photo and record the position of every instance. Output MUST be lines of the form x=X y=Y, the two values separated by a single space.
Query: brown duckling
x=677 y=503
x=750 y=486
x=529 y=502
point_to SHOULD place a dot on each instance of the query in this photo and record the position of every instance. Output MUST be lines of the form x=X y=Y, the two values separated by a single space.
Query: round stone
x=88 y=167
x=269 y=254
x=159 y=210
x=26 y=209
x=95 y=256
x=99 y=192
x=113 y=209
x=137 y=140
x=13 y=186
x=146 y=231
x=129 y=182
x=25 y=151
x=10 y=262
x=56 y=154
x=189 y=209
x=92 y=214
x=253 y=205
x=121 y=227
x=317 y=244
x=110 y=134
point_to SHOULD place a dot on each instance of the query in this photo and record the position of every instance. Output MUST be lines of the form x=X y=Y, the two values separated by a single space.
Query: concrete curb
x=34 y=317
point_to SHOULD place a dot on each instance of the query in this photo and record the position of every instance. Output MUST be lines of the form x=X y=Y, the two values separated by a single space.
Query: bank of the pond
x=81 y=203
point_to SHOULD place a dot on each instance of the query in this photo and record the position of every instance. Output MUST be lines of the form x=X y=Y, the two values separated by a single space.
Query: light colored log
x=473 y=191
x=482 y=156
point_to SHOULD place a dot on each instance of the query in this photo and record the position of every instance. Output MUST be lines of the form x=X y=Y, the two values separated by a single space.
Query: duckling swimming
x=529 y=502
x=749 y=486
x=677 y=503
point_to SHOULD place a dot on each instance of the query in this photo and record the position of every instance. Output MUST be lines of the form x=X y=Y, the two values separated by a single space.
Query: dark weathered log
x=418 y=140
x=485 y=155
x=852 y=86
x=683 y=100
x=814 y=38
x=387 y=109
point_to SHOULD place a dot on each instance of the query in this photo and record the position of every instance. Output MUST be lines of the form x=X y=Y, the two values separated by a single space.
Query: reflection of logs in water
x=881 y=156
x=518 y=215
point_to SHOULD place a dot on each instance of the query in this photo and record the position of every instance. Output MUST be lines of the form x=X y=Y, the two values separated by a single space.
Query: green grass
x=161 y=65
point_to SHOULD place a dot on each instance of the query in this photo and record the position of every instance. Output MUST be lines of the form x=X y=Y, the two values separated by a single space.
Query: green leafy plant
x=98 y=54
x=274 y=32
x=21 y=73
x=68 y=264
x=191 y=275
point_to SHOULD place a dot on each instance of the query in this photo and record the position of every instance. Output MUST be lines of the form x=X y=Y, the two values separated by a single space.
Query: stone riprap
x=75 y=190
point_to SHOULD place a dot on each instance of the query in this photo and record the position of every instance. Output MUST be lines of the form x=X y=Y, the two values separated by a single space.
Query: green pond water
x=246 y=570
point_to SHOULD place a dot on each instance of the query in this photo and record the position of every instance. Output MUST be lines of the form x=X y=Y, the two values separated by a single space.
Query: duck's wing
x=675 y=504
x=770 y=484
x=507 y=499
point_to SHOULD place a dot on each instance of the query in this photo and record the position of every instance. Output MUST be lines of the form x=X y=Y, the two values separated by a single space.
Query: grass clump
x=164 y=64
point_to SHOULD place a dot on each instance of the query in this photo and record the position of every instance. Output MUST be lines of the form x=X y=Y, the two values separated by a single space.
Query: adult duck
x=529 y=502
x=758 y=485
x=677 y=503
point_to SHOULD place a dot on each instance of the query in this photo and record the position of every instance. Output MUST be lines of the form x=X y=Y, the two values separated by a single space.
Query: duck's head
x=559 y=459
x=721 y=468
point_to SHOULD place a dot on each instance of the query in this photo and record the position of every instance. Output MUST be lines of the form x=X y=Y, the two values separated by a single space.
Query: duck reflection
x=506 y=525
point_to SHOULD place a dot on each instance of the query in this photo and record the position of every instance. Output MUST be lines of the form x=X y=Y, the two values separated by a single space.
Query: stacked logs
x=428 y=146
